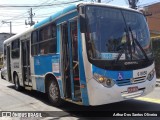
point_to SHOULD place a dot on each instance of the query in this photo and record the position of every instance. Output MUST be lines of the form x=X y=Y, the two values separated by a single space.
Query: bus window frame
x=39 y=41
x=15 y=49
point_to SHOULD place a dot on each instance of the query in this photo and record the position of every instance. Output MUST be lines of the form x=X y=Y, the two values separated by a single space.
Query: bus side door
x=9 y=62
x=26 y=62
x=69 y=60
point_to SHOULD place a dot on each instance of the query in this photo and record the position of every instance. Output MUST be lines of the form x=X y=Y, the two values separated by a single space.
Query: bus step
x=77 y=99
x=28 y=83
x=77 y=94
x=28 y=87
x=76 y=102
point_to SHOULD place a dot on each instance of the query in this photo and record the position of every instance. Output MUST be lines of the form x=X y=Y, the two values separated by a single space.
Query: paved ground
x=12 y=100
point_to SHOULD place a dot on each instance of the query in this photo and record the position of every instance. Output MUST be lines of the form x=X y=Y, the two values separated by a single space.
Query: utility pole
x=10 y=26
x=31 y=16
x=30 y=22
x=133 y=3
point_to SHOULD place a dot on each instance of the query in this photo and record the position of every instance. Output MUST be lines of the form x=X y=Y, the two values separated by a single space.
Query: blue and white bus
x=88 y=54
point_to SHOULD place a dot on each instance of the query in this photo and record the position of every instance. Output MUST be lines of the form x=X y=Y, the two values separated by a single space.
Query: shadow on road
x=70 y=109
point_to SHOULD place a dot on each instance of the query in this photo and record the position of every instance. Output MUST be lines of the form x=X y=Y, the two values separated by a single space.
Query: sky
x=18 y=16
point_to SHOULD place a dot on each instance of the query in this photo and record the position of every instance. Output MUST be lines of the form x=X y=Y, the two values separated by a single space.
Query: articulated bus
x=88 y=54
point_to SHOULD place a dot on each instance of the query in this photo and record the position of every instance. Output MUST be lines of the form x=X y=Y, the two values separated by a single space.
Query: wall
x=154 y=19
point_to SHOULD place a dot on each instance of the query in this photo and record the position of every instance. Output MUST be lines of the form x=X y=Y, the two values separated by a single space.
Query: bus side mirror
x=83 y=23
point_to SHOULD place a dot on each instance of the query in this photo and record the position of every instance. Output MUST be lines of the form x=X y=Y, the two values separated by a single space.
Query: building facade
x=153 y=18
x=3 y=36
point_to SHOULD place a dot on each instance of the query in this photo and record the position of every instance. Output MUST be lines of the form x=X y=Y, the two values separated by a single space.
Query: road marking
x=148 y=99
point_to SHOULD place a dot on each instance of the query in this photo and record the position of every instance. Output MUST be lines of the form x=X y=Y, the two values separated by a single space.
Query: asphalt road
x=12 y=100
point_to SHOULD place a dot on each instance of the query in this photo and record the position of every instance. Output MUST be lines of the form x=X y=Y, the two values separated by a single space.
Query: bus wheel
x=54 y=93
x=16 y=80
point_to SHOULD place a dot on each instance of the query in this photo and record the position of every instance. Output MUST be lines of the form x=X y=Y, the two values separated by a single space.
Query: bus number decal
x=142 y=73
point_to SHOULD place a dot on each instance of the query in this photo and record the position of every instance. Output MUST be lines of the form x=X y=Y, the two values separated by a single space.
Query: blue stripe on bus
x=56 y=15
x=113 y=74
x=47 y=20
x=66 y=18
x=84 y=91
x=43 y=65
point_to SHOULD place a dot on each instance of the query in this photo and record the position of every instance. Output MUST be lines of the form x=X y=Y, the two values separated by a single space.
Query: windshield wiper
x=121 y=52
x=135 y=41
x=128 y=42
x=119 y=55
x=125 y=47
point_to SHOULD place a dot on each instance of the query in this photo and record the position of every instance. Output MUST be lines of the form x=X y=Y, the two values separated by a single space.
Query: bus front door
x=26 y=63
x=9 y=63
x=69 y=61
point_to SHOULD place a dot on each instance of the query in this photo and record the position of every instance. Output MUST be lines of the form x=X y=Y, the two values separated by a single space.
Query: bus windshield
x=113 y=33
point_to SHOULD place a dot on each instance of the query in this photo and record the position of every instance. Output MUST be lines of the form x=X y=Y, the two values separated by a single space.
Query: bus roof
x=56 y=15
x=43 y=22
x=60 y=13
x=73 y=7
x=109 y=5
x=18 y=35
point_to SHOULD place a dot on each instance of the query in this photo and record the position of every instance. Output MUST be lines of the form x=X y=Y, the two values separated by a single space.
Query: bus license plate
x=132 y=89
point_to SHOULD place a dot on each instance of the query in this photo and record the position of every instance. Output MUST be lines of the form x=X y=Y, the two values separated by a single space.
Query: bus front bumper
x=99 y=95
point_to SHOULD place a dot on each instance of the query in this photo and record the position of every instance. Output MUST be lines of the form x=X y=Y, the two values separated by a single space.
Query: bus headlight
x=150 y=75
x=107 y=82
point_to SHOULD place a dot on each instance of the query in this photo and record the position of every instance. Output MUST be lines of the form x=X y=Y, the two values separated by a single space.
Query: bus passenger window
x=15 y=49
x=5 y=52
x=34 y=43
x=46 y=42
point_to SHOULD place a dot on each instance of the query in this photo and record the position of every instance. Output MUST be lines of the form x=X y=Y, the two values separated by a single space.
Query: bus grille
x=131 y=81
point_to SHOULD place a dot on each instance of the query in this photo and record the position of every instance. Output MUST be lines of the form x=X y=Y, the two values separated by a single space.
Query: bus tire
x=16 y=83
x=54 y=93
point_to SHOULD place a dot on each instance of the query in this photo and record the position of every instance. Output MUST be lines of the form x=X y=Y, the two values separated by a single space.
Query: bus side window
x=15 y=49
x=5 y=52
x=48 y=39
x=45 y=42
x=34 y=43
